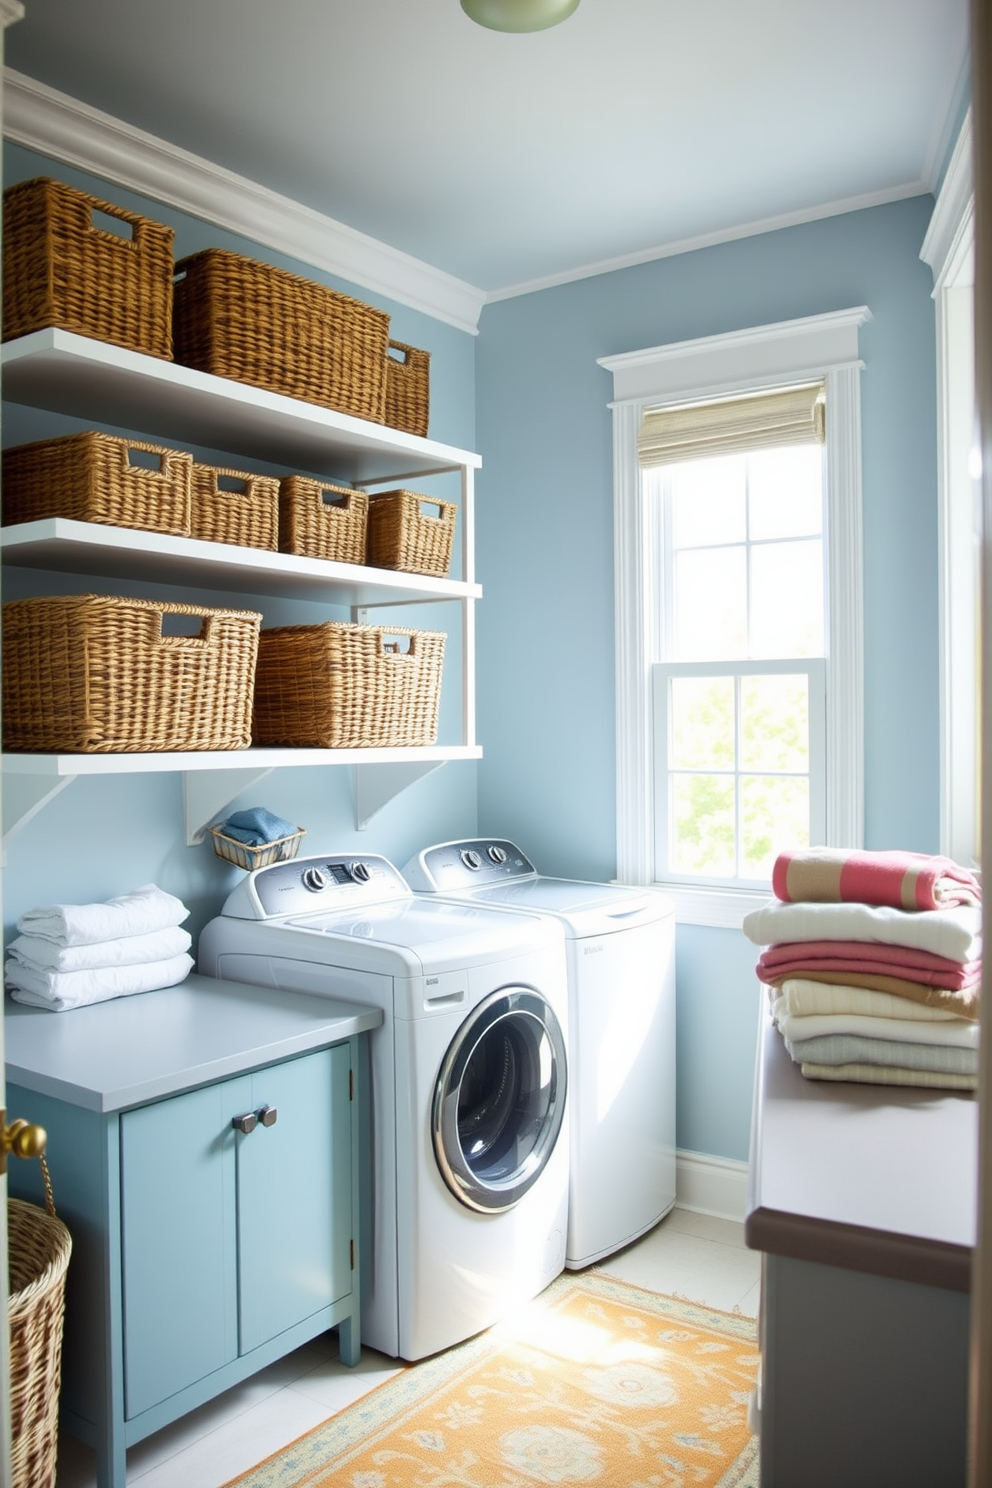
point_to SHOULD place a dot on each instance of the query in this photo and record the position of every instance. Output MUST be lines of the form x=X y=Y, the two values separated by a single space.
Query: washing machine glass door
x=500 y=1099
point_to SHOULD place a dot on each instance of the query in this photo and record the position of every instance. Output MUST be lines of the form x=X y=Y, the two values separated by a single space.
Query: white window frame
x=819 y=347
x=949 y=250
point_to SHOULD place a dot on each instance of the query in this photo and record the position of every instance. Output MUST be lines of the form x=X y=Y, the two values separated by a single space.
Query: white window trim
x=815 y=347
x=949 y=250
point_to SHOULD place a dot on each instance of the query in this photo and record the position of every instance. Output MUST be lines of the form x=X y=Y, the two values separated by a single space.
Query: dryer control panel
x=471 y=864
x=308 y=884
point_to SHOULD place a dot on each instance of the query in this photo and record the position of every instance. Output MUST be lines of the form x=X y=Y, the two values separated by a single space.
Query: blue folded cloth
x=255 y=826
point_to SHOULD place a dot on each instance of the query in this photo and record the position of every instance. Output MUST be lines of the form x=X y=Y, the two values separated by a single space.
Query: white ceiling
x=508 y=160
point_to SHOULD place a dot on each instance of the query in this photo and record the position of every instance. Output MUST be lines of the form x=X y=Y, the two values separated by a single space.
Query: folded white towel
x=45 y=955
x=954 y=932
x=61 y=990
x=956 y=1035
x=138 y=913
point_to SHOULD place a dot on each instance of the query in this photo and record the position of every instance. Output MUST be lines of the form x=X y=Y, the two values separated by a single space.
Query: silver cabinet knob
x=268 y=1115
x=246 y=1123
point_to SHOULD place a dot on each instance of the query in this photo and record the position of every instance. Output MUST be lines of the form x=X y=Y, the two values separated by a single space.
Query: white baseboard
x=711 y=1185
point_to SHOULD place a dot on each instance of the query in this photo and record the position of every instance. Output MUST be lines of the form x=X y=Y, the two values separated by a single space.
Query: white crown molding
x=42 y=119
x=709 y=240
x=949 y=242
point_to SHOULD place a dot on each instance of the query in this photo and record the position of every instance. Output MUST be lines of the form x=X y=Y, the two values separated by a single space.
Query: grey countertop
x=876 y=1178
x=131 y=1050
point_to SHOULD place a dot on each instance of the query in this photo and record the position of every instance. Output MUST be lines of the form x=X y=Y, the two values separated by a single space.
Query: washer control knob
x=495 y=853
x=360 y=872
x=314 y=879
x=471 y=858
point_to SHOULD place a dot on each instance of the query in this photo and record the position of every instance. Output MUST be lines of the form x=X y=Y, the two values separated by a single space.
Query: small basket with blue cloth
x=254 y=838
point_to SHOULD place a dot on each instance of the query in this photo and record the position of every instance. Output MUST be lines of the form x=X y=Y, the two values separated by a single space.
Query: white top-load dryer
x=469 y=1145
x=620 y=945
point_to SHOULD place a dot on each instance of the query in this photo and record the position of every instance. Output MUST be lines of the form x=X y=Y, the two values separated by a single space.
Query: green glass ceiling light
x=519 y=15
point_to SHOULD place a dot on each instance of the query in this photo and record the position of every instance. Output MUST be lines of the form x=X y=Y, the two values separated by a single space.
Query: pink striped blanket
x=797 y=958
x=904 y=880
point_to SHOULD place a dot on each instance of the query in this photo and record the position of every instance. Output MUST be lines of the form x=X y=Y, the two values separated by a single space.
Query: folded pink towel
x=797 y=958
x=904 y=880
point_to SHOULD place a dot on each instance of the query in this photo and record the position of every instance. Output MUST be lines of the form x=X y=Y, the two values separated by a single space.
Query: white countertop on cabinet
x=131 y=1050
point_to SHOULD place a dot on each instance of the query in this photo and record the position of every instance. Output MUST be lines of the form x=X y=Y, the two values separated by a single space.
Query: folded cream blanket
x=889 y=1074
x=954 y=1035
x=848 y=1049
x=906 y=880
x=964 y=1002
x=804 y=999
x=138 y=913
x=62 y=990
x=46 y=955
x=955 y=933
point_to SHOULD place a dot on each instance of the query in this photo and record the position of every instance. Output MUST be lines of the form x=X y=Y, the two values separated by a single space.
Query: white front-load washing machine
x=620 y=944
x=468 y=1141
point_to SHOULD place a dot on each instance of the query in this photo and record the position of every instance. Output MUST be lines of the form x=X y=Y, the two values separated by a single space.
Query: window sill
x=719 y=909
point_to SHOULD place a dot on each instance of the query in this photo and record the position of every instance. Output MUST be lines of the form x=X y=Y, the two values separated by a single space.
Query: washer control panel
x=307 y=884
x=454 y=866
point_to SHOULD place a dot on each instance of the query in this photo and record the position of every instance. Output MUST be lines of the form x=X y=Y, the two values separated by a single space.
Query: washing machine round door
x=499 y=1101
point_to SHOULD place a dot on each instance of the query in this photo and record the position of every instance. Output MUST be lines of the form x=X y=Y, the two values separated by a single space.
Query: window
x=738 y=580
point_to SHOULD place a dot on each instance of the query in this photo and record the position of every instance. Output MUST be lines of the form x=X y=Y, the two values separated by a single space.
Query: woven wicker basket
x=405 y=533
x=339 y=686
x=93 y=477
x=61 y=268
x=245 y=856
x=322 y=521
x=40 y=1247
x=408 y=388
x=238 y=318
x=229 y=506
x=92 y=673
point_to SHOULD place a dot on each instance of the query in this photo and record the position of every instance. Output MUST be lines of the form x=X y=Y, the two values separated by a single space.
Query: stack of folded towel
x=873 y=962
x=68 y=955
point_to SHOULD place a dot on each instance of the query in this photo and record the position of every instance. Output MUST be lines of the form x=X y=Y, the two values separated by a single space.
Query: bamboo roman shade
x=732 y=426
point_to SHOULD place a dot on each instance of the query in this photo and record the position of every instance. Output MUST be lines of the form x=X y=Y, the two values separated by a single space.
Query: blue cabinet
x=214 y=1229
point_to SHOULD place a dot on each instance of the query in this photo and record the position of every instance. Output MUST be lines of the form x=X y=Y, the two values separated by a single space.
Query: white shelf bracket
x=24 y=796
x=208 y=793
x=376 y=785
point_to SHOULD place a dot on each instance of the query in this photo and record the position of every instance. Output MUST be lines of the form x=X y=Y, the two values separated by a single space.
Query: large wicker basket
x=317 y=520
x=229 y=506
x=408 y=388
x=92 y=673
x=40 y=1247
x=411 y=532
x=238 y=318
x=93 y=477
x=62 y=268
x=340 y=686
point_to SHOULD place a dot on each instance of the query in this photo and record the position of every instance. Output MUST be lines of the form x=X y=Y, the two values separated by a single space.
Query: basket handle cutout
x=181 y=627
x=433 y=510
x=145 y=459
x=111 y=224
x=397 y=353
x=233 y=484
x=333 y=498
x=394 y=644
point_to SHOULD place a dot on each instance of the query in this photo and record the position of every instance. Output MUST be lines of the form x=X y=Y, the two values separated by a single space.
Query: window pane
x=702 y=723
x=709 y=502
x=710 y=609
x=787 y=599
x=702 y=825
x=775 y=723
x=775 y=813
x=785 y=492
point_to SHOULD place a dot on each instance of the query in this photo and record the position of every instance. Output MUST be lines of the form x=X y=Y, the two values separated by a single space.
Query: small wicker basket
x=39 y=1250
x=322 y=521
x=91 y=674
x=229 y=506
x=341 y=686
x=239 y=318
x=411 y=532
x=93 y=477
x=60 y=268
x=408 y=388
x=244 y=856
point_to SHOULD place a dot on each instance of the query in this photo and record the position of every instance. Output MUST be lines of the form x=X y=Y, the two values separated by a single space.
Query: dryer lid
x=585 y=908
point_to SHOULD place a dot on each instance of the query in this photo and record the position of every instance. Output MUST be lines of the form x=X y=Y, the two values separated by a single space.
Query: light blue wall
x=103 y=836
x=545 y=555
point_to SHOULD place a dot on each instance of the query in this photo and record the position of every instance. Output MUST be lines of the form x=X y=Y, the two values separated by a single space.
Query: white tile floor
x=690 y=1255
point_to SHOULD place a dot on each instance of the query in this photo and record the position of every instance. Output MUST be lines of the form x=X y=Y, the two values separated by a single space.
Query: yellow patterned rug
x=595 y=1382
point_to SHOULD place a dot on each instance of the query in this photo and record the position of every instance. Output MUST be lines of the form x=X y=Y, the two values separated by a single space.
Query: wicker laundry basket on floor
x=40 y=1246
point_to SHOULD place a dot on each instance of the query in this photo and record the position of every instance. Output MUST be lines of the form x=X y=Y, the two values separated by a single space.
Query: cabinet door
x=178 y=1221
x=294 y=1195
